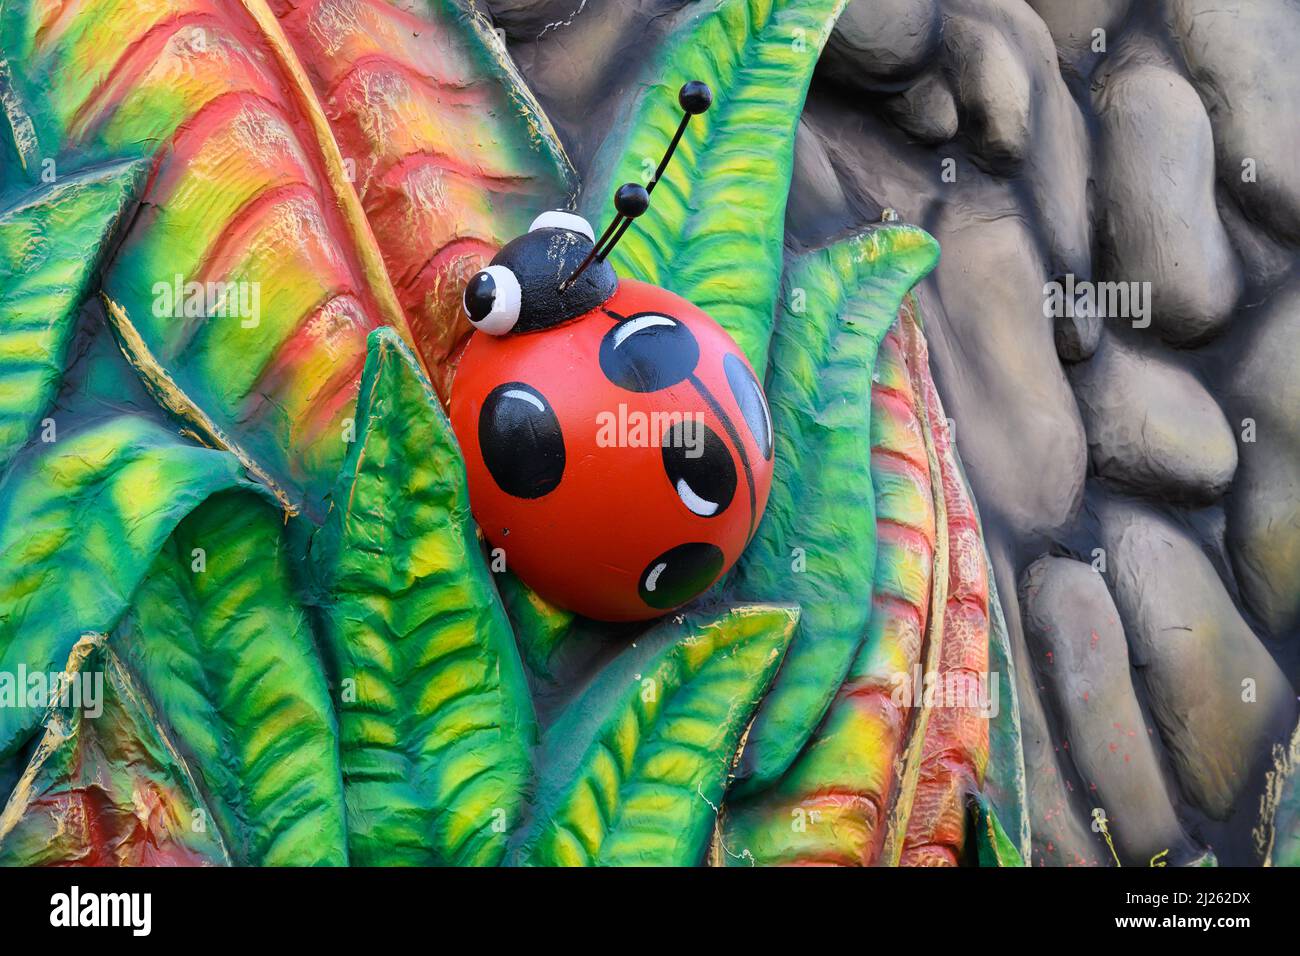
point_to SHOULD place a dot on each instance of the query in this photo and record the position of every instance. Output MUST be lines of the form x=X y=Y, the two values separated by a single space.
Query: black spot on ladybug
x=753 y=405
x=647 y=352
x=679 y=574
x=700 y=468
x=519 y=435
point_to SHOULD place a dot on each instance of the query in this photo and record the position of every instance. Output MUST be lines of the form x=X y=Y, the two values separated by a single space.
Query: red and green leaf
x=955 y=745
x=817 y=542
x=248 y=190
x=106 y=788
x=450 y=154
x=832 y=806
x=884 y=780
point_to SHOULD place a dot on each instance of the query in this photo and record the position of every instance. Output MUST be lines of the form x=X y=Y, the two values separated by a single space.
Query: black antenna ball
x=695 y=97
x=631 y=200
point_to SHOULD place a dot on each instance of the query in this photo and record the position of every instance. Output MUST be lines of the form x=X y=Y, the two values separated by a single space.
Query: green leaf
x=1282 y=804
x=437 y=734
x=721 y=202
x=216 y=638
x=1004 y=778
x=838 y=304
x=51 y=243
x=81 y=520
x=833 y=806
x=539 y=626
x=105 y=786
x=634 y=770
x=992 y=845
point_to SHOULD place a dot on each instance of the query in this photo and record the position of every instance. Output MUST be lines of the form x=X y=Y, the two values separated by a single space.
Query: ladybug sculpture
x=617 y=442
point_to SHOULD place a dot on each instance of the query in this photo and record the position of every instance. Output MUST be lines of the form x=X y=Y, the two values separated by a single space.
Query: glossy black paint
x=541 y=260
x=694 y=454
x=521 y=441
x=753 y=405
x=657 y=355
x=680 y=574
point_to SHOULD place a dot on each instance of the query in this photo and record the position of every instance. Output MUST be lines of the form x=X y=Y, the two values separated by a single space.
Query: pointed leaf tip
x=436 y=733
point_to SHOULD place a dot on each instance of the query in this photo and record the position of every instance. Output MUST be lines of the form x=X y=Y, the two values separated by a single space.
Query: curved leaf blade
x=436 y=738
x=831 y=806
x=540 y=626
x=451 y=155
x=634 y=770
x=890 y=772
x=721 y=202
x=216 y=638
x=821 y=512
x=81 y=521
x=51 y=243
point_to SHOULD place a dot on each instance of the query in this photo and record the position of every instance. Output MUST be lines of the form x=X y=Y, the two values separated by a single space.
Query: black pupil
x=480 y=295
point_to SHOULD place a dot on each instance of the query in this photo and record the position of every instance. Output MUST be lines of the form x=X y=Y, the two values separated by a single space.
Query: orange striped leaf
x=250 y=277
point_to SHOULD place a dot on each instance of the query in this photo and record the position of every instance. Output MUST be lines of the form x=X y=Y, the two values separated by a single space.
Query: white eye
x=555 y=219
x=492 y=300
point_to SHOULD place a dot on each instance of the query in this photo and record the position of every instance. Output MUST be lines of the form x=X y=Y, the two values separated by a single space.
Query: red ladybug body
x=622 y=459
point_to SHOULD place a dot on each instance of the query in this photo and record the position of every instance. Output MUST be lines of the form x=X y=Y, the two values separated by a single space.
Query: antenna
x=632 y=199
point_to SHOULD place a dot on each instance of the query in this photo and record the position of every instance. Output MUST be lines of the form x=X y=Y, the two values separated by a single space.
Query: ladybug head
x=557 y=271
x=523 y=289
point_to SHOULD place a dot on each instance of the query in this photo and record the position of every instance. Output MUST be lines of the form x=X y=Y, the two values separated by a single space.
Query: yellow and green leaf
x=216 y=638
x=539 y=625
x=634 y=770
x=716 y=229
x=81 y=520
x=436 y=723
